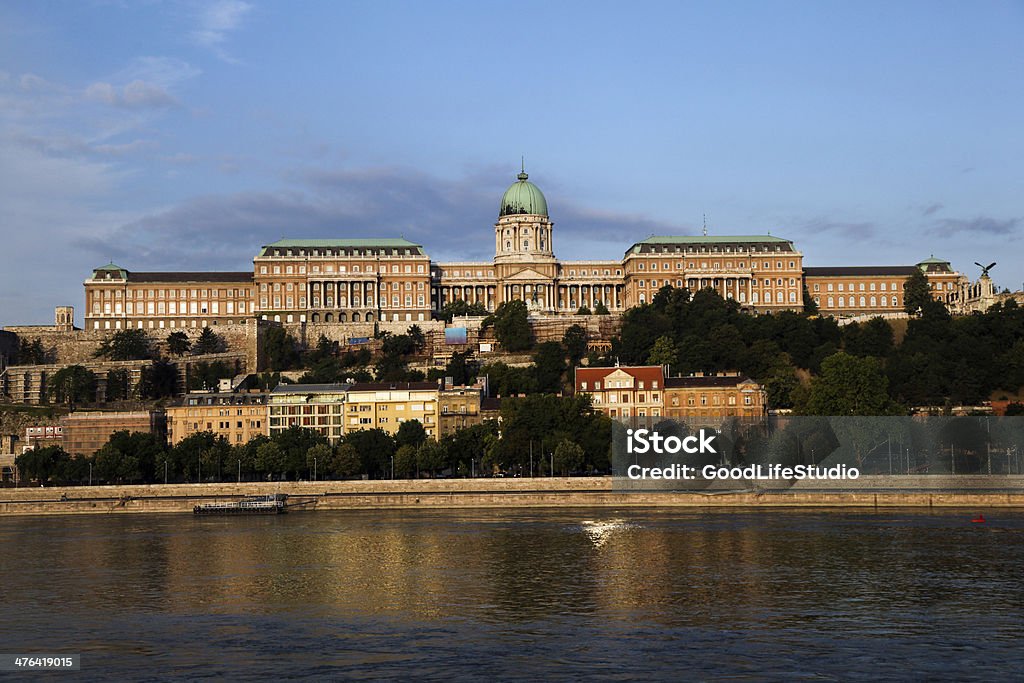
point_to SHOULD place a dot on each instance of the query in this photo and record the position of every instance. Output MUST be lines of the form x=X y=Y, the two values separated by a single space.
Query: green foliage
x=270 y=459
x=178 y=343
x=849 y=385
x=124 y=345
x=544 y=421
x=461 y=368
x=410 y=433
x=405 y=461
x=568 y=457
x=512 y=326
x=575 y=342
x=600 y=308
x=1014 y=409
x=201 y=454
x=206 y=376
x=663 y=352
x=917 y=293
x=548 y=366
x=279 y=349
x=461 y=308
x=319 y=459
x=375 y=448
x=470 y=444
x=346 y=462
x=810 y=307
x=33 y=353
x=72 y=385
x=118 y=385
x=583 y=310
x=506 y=380
x=431 y=457
x=208 y=342
x=294 y=443
x=419 y=340
x=873 y=338
x=159 y=380
x=42 y=464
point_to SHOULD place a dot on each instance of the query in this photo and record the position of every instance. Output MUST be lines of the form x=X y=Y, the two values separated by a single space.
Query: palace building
x=394 y=280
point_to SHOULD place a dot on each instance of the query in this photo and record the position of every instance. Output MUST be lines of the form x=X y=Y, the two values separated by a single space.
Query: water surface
x=534 y=594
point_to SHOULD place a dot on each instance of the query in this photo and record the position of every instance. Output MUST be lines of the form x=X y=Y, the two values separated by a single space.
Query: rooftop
x=841 y=271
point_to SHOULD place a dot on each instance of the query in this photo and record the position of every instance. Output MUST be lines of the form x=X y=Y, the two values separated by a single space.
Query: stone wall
x=468 y=493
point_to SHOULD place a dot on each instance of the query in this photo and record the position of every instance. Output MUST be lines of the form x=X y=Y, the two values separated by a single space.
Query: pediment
x=528 y=275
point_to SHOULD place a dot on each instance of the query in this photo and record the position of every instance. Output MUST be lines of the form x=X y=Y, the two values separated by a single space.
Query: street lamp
x=90 y=474
x=314 y=469
x=392 y=466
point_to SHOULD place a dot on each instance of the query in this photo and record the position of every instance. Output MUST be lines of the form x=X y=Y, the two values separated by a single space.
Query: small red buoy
x=980 y=519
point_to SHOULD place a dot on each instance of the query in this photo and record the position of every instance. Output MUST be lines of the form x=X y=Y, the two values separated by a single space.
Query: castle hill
x=362 y=360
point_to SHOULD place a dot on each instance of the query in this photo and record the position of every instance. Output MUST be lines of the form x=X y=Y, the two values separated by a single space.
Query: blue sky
x=184 y=135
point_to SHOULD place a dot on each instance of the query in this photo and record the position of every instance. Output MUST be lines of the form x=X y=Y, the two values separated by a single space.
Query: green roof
x=933 y=260
x=707 y=239
x=378 y=242
x=110 y=269
x=523 y=197
x=710 y=239
x=370 y=242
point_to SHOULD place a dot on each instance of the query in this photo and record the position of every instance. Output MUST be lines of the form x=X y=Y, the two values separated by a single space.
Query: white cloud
x=216 y=20
x=135 y=95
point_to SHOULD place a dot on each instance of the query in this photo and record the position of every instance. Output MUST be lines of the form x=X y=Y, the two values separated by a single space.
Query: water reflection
x=391 y=585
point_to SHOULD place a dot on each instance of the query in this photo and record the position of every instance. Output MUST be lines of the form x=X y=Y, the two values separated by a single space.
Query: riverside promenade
x=975 y=492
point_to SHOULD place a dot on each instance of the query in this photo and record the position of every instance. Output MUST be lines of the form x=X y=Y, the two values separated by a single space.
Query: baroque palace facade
x=394 y=280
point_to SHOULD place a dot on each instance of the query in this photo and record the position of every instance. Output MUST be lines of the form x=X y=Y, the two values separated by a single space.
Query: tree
x=1014 y=409
x=917 y=293
x=460 y=307
x=431 y=457
x=118 y=388
x=124 y=345
x=600 y=308
x=208 y=342
x=295 y=443
x=849 y=385
x=663 y=352
x=512 y=326
x=33 y=353
x=41 y=464
x=419 y=340
x=375 y=448
x=159 y=380
x=575 y=342
x=73 y=384
x=279 y=349
x=461 y=367
x=568 y=457
x=270 y=459
x=178 y=343
x=810 y=305
x=346 y=461
x=583 y=310
x=410 y=433
x=114 y=465
x=549 y=364
x=319 y=459
x=405 y=461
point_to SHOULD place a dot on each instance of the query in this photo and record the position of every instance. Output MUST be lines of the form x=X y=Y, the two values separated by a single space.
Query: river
x=557 y=594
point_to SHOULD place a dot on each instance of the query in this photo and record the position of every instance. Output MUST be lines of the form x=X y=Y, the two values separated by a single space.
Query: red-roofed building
x=625 y=391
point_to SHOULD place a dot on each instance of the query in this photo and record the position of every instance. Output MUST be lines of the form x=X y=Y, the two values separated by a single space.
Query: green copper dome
x=523 y=197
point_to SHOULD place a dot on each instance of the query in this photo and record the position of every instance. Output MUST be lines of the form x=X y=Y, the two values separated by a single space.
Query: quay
x=976 y=492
